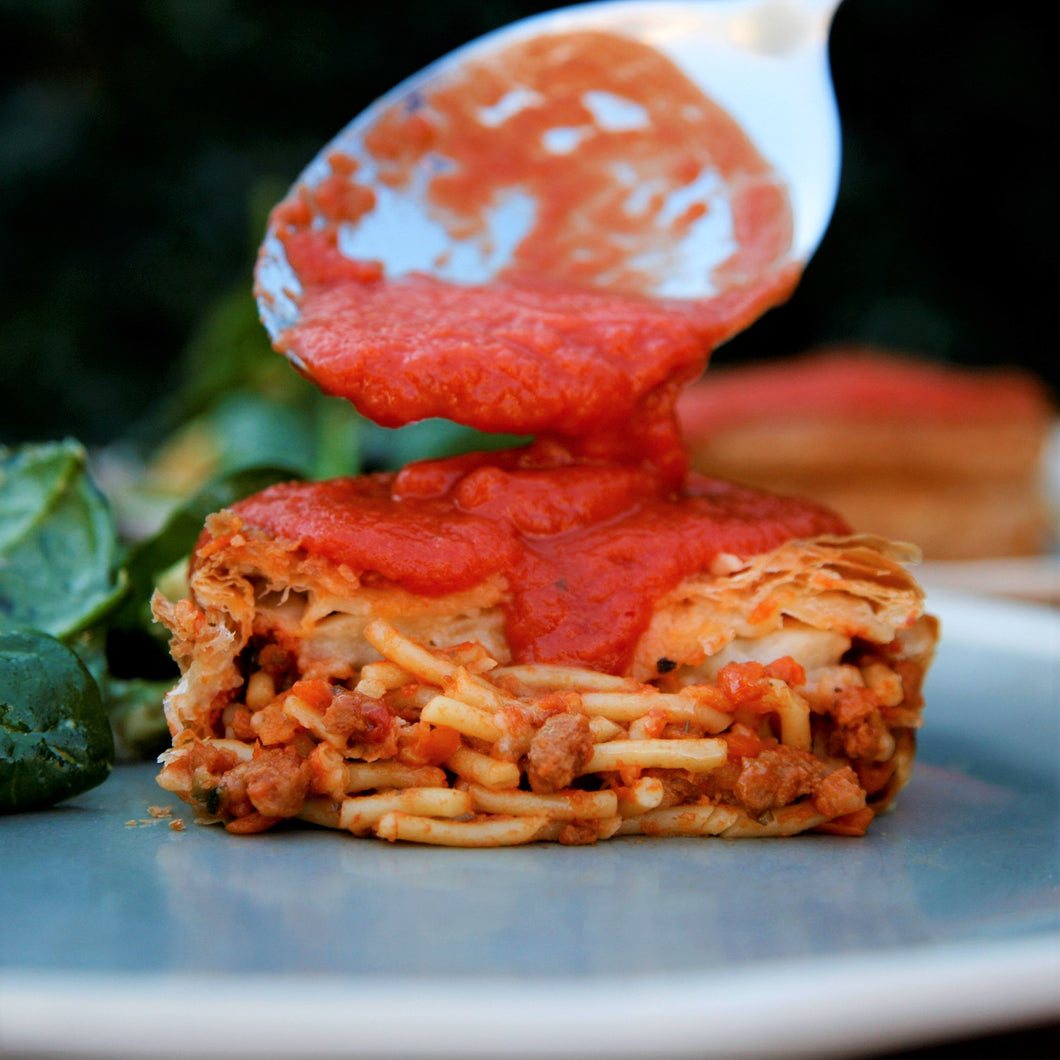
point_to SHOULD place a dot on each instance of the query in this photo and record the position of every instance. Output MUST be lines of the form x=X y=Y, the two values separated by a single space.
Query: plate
x=123 y=937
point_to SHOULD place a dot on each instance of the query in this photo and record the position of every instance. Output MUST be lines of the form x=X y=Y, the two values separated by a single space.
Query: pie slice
x=374 y=661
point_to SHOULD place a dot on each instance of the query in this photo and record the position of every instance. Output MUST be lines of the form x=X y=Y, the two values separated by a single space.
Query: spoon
x=764 y=62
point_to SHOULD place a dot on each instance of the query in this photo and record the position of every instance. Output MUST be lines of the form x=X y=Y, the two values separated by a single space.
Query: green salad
x=82 y=671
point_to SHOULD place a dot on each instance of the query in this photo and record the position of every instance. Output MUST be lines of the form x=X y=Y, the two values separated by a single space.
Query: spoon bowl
x=763 y=62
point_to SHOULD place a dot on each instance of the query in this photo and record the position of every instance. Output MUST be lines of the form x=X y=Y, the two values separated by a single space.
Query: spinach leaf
x=394 y=447
x=60 y=566
x=55 y=739
x=132 y=703
x=134 y=707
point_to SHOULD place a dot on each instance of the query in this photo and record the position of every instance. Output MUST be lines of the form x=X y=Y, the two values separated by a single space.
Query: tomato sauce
x=570 y=343
x=570 y=338
x=586 y=549
x=520 y=357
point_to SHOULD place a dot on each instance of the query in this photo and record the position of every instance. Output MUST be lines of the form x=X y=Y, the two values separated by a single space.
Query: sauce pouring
x=547 y=231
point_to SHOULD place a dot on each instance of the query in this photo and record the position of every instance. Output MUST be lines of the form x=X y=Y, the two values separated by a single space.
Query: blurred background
x=142 y=142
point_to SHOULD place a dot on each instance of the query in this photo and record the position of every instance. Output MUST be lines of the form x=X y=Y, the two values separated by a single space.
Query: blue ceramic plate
x=127 y=939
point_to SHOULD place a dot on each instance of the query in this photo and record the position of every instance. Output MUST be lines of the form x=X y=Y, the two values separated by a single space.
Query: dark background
x=142 y=141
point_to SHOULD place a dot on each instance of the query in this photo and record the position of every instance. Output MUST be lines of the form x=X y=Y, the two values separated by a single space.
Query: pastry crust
x=946 y=457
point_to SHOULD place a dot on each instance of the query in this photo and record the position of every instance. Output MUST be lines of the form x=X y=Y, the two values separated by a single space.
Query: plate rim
x=815 y=1005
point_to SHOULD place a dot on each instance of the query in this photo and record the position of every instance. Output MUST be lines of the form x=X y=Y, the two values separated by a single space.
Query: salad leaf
x=55 y=739
x=80 y=674
x=60 y=566
x=132 y=703
x=137 y=721
x=394 y=447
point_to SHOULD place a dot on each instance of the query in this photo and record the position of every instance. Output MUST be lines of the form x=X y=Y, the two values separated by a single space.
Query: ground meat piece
x=274 y=783
x=558 y=751
x=242 y=728
x=776 y=778
x=272 y=726
x=579 y=833
x=719 y=783
x=873 y=776
x=358 y=719
x=277 y=782
x=861 y=731
x=274 y=660
x=197 y=772
x=839 y=793
x=206 y=759
x=251 y=824
x=678 y=787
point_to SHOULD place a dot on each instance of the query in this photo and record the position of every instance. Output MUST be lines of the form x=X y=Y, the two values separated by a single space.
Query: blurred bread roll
x=948 y=458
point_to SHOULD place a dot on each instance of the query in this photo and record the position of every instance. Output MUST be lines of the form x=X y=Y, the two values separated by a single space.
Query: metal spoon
x=764 y=61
